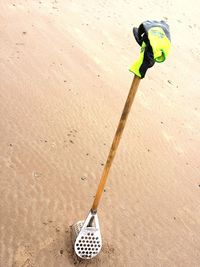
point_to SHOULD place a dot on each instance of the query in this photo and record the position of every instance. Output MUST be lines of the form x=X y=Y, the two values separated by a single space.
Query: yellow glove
x=154 y=39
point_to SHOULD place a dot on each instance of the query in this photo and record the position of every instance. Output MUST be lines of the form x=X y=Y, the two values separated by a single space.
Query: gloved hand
x=154 y=39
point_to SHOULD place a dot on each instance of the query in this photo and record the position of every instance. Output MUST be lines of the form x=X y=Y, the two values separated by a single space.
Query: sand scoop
x=87 y=237
x=86 y=234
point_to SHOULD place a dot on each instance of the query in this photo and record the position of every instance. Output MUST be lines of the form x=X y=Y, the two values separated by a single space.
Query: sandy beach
x=63 y=82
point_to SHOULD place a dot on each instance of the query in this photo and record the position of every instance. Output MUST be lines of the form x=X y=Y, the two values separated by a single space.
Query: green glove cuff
x=135 y=68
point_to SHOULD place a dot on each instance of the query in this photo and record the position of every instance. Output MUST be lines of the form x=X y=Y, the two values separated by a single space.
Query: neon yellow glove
x=154 y=39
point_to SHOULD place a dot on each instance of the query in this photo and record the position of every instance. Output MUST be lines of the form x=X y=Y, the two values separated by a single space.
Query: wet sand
x=63 y=83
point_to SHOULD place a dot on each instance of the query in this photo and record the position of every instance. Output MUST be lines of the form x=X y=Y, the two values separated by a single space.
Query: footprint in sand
x=23 y=257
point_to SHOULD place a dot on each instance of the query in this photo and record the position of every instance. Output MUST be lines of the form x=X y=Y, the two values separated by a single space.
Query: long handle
x=116 y=141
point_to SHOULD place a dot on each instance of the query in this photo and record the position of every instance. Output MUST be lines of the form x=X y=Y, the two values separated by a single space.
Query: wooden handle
x=116 y=141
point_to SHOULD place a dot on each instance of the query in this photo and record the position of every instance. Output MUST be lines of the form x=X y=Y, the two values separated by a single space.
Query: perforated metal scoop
x=87 y=237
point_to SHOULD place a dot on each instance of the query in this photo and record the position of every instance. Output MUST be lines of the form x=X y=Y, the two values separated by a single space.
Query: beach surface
x=64 y=80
